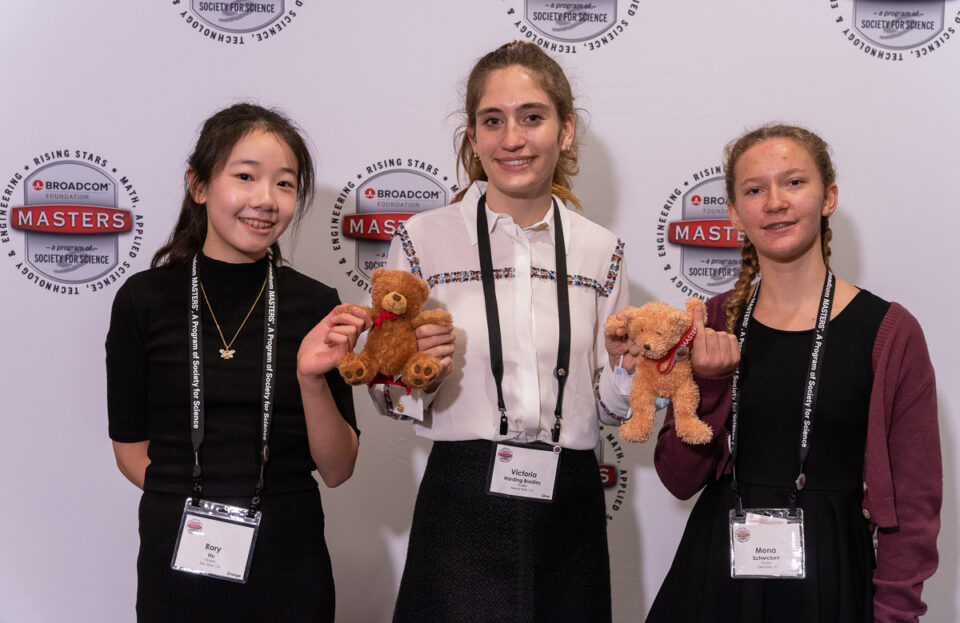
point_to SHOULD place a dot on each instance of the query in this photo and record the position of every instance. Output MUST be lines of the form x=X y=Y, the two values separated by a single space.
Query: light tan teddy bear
x=664 y=335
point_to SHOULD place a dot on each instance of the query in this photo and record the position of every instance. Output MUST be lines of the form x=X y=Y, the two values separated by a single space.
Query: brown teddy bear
x=391 y=347
x=664 y=335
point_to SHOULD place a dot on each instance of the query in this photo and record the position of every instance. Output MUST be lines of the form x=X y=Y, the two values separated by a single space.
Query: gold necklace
x=226 y=352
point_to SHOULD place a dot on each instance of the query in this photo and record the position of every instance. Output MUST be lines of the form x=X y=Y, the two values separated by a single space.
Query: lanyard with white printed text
x=197 y=415
x=811 y=386
x=493 y=316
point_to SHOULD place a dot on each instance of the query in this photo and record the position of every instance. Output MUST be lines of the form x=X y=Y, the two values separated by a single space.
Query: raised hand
x=715 y=353
x=437 y=341
x=619 y=344
x=333 y=337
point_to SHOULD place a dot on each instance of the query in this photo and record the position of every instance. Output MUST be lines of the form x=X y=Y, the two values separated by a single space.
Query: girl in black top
x=248 y=175
x=828 y=413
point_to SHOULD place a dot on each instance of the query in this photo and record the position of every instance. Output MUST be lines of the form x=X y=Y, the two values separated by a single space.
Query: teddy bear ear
x=377 y=274
x=424 y=289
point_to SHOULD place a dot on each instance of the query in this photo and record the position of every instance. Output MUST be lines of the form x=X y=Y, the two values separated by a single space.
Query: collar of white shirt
x=468 y=211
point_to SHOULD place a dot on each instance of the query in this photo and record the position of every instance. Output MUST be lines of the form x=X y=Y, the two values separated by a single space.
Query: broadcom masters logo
x=371 y=205
x=67 y=222
x=569 y=27
x=237 y=23
x=892 y=30
x=695 y=239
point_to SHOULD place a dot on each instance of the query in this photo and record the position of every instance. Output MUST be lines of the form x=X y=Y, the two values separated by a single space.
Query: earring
x=476 y=156
x=567 y=148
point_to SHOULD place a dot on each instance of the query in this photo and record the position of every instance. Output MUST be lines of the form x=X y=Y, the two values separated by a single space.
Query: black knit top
x=148 y=378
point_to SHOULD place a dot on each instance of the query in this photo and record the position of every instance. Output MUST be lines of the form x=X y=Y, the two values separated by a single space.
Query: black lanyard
x=493 y=315
x=197 y=415
x=811 y=387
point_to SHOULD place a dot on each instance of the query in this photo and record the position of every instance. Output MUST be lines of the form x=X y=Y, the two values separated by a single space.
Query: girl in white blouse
x=510 y=518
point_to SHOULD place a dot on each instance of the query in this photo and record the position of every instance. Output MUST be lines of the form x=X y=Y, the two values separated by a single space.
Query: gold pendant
x=227 y=353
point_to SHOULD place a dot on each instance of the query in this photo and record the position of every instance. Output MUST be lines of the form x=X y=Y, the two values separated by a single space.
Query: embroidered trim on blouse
x=463 y=276
x=600 y=403
x=410 y=252
x=614 y=269
x=604 y=289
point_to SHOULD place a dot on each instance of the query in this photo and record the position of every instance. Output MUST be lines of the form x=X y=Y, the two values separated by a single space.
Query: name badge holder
x=524 y=470
x=769 y=543
x=539 y=456
x=214 y=539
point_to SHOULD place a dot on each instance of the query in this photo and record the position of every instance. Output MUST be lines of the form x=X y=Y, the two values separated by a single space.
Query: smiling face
x=779 y=199
x=251 y=200
x=518 y=134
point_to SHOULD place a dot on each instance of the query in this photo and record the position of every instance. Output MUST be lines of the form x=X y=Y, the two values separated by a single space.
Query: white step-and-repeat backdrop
x=108 y=96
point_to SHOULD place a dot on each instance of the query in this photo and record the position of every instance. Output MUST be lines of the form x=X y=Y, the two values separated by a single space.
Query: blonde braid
x=737 y=301
x=826 y=235
x=750 y=266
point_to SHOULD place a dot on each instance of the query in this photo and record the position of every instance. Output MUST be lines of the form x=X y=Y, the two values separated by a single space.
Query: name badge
x=767 y=543
x=524 y=472
x=216 y=540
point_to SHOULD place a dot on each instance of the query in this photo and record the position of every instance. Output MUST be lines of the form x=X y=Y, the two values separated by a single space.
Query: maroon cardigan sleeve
x=684 y=469
x=903 y=470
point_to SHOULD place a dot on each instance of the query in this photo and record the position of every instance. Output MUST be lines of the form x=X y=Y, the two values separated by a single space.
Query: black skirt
x=839 y=562
x=290 y=576
x=475 y=557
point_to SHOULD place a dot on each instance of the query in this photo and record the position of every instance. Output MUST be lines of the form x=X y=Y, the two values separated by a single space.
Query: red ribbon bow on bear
x=679 y=352
x=382 y=378
x=384 y=315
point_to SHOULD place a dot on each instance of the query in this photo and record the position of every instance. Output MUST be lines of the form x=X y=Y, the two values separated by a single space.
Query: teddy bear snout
x=395 y=303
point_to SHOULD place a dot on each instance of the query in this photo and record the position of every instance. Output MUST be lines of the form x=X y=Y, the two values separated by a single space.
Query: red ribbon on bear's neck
x=383 y=379
x=671 y=357
x=384 y=315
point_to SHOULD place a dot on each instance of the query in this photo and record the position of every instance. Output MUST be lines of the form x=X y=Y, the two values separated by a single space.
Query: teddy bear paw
x=420 y=371
x=434 y=316
x=356 y=371
x=693 y=430
x=638 y=428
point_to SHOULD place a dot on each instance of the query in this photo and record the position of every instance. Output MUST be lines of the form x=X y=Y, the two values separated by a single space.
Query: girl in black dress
x=861 y=458
x=249 y=176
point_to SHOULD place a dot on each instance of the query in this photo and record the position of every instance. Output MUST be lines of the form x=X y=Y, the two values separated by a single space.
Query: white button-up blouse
x=440 y=246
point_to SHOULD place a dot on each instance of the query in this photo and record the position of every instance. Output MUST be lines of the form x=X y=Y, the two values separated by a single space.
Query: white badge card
x=216 y=540
x=524 y=472
x=767 y=543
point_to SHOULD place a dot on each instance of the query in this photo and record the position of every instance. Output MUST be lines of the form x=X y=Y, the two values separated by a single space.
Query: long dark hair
x=552 y=80
x=219 y=135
